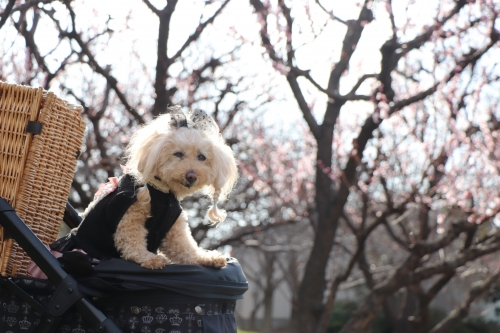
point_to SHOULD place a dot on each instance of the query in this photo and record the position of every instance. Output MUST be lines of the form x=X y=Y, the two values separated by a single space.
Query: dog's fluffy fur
x=163 y=156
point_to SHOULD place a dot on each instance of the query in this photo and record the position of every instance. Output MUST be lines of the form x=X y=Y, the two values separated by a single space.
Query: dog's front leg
x=181 y=248
x=131 y=234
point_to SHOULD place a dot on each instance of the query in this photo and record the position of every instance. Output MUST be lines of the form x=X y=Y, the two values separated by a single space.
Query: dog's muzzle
x=191 y=178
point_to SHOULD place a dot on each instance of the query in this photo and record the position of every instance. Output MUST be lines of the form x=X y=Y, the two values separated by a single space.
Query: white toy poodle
x=138 y=217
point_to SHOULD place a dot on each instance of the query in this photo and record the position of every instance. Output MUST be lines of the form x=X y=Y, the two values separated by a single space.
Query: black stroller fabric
x=192 y=280
x=176 y=299
x=17 y=315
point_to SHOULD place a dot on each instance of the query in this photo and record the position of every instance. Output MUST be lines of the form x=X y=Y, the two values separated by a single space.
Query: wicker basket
x=36 y=170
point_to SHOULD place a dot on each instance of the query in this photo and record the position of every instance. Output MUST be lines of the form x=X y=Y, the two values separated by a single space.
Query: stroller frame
x=67 y=293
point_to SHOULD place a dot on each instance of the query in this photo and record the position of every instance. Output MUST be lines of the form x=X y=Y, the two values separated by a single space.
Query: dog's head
x=183 y=160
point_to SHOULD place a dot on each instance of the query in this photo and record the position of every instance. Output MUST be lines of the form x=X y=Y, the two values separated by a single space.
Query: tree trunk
x=163 y=62
x=408 y=319
x=329 y=207
x=267 y=326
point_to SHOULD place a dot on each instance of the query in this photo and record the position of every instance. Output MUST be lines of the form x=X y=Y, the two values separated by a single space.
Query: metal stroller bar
x=71 y=217
x=67 y=292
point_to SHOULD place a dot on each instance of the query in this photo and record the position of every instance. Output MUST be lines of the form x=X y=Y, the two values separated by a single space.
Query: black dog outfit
x=95 y=233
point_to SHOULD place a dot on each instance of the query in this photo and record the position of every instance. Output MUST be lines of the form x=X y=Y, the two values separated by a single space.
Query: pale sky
x=316 y=55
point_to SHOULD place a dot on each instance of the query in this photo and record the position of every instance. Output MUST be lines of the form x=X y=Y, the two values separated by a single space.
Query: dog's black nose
x=191 y=177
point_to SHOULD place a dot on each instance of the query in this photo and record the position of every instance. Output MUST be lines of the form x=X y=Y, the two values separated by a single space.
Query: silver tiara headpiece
x=196 y=119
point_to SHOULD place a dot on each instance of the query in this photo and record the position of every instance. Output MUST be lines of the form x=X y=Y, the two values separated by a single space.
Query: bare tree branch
x=361 y=237
x=450 y=265
x=358 y=84
x=198 y=31
x=304 y=107
x=30 y=4
x=152 y=7
x=353 y=34
x=457 y=315
x=334 y=17
x=262 y=13
x=424 y=37
x=5 y=14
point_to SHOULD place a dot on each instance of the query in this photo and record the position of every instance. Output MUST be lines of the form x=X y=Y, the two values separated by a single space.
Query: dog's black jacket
x=95 y=233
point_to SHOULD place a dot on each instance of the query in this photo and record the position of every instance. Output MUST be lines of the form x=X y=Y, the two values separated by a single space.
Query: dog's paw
x=155 y=262
x=217 y=260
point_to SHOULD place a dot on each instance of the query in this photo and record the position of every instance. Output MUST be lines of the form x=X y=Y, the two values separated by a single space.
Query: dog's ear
x=226 y=174
x=148 y=155
x=143 y=151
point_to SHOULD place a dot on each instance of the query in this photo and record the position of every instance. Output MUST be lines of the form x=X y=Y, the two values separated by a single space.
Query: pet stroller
x=109 y=296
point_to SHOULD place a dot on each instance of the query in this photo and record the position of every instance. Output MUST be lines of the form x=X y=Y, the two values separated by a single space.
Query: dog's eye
x=201 y=157
x=179 y=154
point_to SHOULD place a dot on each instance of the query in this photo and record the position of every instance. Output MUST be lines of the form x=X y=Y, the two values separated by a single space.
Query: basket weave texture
x=36 y=170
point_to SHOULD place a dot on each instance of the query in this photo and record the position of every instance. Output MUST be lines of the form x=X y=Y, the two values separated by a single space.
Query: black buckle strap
x=34 y=127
